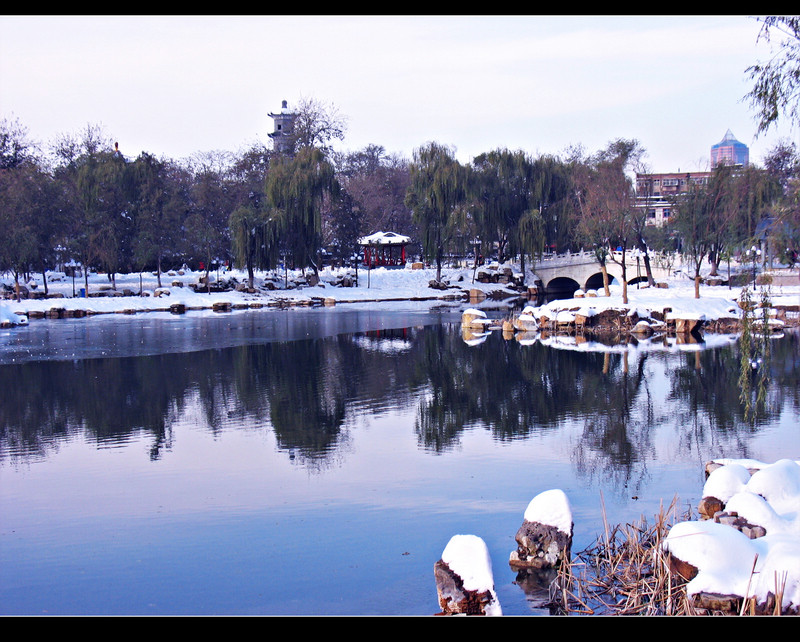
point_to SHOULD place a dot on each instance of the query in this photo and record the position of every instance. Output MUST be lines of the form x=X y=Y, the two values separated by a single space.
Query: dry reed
x=625 y=572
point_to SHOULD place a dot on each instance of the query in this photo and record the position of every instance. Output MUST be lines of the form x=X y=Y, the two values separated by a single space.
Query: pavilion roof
x=384 y=238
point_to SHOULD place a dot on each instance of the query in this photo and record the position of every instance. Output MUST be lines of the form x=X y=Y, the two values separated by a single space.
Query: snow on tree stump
x=464 y=580
x=545 y=537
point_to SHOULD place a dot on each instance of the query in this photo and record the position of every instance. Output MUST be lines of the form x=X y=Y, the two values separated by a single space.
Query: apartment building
x=655 y=191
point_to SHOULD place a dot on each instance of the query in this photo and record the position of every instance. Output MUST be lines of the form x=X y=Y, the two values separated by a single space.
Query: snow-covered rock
x=545 y=537
x=752 y=548
x=464 y=579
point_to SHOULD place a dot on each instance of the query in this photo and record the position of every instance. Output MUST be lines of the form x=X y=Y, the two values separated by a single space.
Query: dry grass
x=625 y=572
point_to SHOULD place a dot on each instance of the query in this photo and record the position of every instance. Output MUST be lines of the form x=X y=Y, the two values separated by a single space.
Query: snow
x=9 y=317
x=728 y=562
x=475 y=312
x=384 y=238
x=379 y=284
x=725 y=482
x=376 y=285
x=551 y=508
x=714 y=303
x=468 y=557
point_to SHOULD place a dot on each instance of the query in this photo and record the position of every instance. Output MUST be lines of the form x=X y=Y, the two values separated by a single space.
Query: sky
x=177 y=85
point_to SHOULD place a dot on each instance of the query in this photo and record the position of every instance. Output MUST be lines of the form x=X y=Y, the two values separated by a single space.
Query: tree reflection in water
x=306 y=391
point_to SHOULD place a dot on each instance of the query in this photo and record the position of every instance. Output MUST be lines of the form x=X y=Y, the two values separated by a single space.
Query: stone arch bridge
x=567 y=273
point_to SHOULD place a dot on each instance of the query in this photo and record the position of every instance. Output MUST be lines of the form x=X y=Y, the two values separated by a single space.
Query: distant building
x=654 y=192
x=729 y=151
x=284 y=126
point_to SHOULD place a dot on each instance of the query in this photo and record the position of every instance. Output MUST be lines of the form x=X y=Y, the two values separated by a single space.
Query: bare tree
x=316 y=124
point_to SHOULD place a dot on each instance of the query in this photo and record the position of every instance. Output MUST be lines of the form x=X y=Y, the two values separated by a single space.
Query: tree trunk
x=697 y=286
x=714 y=261
x=250 y=275
x=648 y=270
x=604 y=270
x=624 y=280
x=44 y=279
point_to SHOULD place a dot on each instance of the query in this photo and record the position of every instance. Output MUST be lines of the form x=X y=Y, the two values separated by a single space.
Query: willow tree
x=437 y=196
x=296 y=188
x=252 y=224
x=531 y=236
x=553 y=197
x=17 y=243
x=776 y=90
x=103 y=222
x=502 y=183
x=255 y=239
x=158 y=212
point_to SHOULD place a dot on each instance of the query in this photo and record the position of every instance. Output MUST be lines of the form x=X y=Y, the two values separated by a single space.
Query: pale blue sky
x=177 y=85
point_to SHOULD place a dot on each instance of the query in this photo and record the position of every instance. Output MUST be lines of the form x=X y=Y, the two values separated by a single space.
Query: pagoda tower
x=284 y=126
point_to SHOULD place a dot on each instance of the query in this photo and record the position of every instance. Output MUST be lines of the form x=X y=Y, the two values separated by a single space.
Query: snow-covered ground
x=380 y=285
x=728 y=562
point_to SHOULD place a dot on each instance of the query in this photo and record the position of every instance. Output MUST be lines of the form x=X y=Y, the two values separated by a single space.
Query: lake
x=317 y=461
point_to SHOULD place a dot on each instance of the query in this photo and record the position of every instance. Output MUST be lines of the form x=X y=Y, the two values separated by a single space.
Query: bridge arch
x=595 y=281
x=562 y=287
x=582 y=268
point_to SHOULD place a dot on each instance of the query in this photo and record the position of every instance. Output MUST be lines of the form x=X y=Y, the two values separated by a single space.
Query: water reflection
x=307 y=391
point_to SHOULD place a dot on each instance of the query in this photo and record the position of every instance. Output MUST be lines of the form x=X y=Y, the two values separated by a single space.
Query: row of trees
x=83 y=200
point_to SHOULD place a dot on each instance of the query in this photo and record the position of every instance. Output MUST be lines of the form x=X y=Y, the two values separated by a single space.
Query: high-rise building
x=284 y=125
x=729 y=151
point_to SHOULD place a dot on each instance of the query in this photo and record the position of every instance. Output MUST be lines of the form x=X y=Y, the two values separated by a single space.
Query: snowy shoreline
x=380 y=286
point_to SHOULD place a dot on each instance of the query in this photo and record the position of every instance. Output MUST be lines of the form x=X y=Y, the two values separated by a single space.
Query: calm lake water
x=317 y=461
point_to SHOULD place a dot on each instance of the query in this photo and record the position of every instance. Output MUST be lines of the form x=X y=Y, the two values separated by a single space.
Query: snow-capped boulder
x=474 y=318
x=545 y=537
x=464 y=579
x=750 y=550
